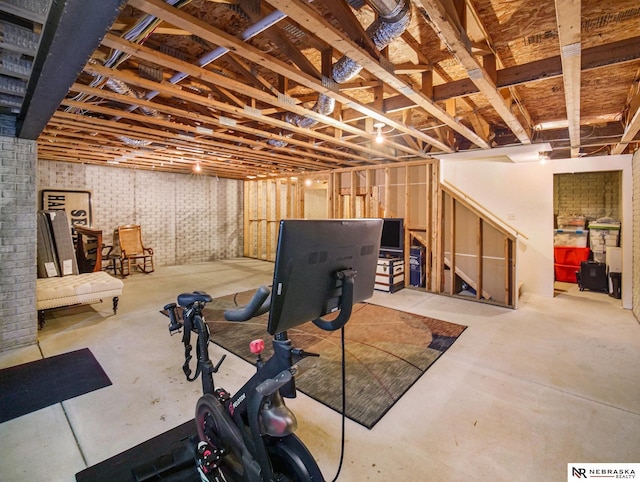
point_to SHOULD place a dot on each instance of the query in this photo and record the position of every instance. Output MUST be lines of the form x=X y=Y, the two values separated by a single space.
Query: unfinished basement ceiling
x=245 y=88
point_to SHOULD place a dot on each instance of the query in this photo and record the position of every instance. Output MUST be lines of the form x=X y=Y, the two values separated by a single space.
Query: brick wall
x=18 y=321
x=590 y=194
x=184 y=218
x=635 y=295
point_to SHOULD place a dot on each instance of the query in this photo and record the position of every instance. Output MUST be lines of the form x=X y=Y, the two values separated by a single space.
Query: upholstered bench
x=75 y=289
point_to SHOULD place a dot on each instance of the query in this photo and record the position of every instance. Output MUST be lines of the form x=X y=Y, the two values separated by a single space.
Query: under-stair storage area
x=479 y=257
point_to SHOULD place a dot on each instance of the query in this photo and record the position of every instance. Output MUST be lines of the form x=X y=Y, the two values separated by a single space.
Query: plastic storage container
x=602 y=236
x=571 y=222
x=570 y=255
x=566 y=272
x=570 y=237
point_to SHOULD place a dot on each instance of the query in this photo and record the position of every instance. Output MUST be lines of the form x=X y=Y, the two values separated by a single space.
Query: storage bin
x=570 y=255
x=566 y=272
x=602 y=236
x=571 y=222
x=570 y=237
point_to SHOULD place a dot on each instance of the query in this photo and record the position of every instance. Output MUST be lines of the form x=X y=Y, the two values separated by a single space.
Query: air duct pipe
x=119 y=87
x=393 y=18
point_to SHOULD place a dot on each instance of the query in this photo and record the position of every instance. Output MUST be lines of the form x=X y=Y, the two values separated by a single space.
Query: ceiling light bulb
x=197 y=167
x=379 y=126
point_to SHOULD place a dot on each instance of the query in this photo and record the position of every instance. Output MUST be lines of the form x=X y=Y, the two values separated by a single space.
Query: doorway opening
x=587 y=223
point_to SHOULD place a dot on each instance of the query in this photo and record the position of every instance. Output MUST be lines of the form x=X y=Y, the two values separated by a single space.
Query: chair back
x=130 y=239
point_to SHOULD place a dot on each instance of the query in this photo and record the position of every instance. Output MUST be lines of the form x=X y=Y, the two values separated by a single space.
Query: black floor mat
x=169 y=456
x=32 y=386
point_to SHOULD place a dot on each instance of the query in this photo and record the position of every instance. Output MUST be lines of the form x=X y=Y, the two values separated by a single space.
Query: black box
x=593 y=276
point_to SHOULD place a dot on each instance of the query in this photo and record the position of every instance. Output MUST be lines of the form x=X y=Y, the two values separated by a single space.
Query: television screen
x=309 y=254
x=392 y=235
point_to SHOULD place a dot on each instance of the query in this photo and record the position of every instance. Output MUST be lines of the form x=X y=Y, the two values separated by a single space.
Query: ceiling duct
x=121 y=88
x=393 y=17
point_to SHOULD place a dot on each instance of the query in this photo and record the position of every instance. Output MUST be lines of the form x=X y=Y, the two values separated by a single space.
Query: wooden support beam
x=568 y=19
x=309 y=19
x=631 y=128
x=480 y=257
x=457 y=42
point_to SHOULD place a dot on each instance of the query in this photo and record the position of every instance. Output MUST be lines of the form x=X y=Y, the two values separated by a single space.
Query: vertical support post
x=387 y=191
x=353 y=194
x=452 y=246
x=437 y=233
x=480 y=254
x=407 y=226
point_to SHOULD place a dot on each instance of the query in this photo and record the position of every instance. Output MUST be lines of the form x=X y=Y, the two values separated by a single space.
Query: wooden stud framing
x=452 y=244
x=480 y=260
x=287 y=196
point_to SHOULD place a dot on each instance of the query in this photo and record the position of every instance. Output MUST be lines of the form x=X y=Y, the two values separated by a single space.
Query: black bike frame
x=246 y=404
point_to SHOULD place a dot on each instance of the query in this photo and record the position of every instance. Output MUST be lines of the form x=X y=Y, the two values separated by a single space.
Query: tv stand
x=389 y=273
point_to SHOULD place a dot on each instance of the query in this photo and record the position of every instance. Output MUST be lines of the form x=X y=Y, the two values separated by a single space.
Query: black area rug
x=387 y=351
x=32 y=386
x=169 y=456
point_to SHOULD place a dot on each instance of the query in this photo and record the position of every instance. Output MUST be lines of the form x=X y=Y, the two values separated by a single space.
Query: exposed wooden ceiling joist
x=219 y=37
x=238 y=87
x=246 y=88
x=460 y=46
x=568 y=17
x=310 y=19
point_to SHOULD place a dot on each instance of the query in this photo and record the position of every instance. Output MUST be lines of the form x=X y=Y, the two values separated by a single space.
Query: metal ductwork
x=134 y=142
x=393 y=17
x=324 y=105
x=119 y=87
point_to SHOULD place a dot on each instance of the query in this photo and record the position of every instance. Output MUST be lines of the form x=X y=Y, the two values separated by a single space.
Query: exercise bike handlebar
x=259 y=304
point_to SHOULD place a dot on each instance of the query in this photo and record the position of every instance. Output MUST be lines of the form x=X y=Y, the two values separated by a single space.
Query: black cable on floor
x=344 y=405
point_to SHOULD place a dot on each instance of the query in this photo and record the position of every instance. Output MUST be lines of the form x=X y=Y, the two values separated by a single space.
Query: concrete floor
x=517 y=397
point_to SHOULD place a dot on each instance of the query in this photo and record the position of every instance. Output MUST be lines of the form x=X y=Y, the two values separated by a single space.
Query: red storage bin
x=570 y=255
x=566 y=272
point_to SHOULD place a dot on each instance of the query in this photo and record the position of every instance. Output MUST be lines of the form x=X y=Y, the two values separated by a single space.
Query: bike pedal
x=208 y=457
x=222 y=395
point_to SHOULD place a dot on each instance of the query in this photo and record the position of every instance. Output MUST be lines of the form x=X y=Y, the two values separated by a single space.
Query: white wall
x=521 y=195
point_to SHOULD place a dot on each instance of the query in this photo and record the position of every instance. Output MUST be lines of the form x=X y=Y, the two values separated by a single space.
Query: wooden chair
x=128 y=247
x=88 y=249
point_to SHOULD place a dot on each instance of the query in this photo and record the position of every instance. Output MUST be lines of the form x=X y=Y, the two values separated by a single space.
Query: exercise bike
x=249 y=436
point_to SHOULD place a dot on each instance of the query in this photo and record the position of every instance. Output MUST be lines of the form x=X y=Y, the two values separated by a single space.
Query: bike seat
x=187 y=299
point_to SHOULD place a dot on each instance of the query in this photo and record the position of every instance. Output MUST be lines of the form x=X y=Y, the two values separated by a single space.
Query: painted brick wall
x=184 y=218
x=635 y=295
x=18 y=320
x=590 y=194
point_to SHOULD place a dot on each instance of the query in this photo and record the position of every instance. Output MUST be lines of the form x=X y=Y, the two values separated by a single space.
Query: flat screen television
x=392 y=240
x=309 y=254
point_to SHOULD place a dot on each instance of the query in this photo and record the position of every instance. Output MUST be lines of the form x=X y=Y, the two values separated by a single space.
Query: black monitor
x=310 y=253
x=392 y=241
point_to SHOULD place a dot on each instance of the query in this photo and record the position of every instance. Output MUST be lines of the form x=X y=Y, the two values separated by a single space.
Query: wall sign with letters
x=77 y=204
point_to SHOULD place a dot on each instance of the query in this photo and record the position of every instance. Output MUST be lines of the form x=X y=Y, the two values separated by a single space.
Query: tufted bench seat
x=75 y=289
